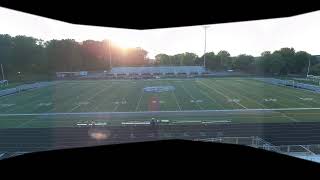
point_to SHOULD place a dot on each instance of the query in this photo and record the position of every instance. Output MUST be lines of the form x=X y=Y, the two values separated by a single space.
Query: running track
x=37 y=139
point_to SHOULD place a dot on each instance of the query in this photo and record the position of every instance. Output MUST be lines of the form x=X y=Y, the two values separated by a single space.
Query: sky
x=302 y=32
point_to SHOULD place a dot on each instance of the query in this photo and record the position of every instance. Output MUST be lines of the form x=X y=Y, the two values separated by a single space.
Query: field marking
x=191 y=96
x=2 y=97
x=293 y=92
x=30 y=100
x=291 y=118
x=240 y=95
x=244 y=96
x=6 y=105
x=117 y=105
x=208 y=96
x=45 y=104
x=175 y=97
x=114 y=101
x=227 y=97
x=38 y=99
x=154 y=112
x=258 y=84
x=70 y=90
x=138 y=104
x=74 y=108
x=90 y=98
x=306 y=99
x=24 y=123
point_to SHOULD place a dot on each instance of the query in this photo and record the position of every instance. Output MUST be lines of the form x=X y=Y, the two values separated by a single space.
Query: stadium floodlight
x=308 y=68
x=110 y=53
x=205 y=45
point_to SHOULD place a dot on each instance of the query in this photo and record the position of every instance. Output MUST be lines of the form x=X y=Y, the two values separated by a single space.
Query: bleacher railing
x=257 y=142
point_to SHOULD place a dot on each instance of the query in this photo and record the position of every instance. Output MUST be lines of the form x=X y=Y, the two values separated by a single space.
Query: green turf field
x=10 y=85
x=303 y=80
x=76 y=98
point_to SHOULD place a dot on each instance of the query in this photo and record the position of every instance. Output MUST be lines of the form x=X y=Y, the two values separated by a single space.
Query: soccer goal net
x=4 y=82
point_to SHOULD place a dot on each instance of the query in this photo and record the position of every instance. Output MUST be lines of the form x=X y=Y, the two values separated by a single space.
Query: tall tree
x=213 y=62
x=243 y=62
x=225 y=59
x=189 y=59
x=162 y=59
x=6 y=45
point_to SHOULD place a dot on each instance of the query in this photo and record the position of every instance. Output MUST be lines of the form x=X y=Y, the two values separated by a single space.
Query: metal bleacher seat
x=159 y=70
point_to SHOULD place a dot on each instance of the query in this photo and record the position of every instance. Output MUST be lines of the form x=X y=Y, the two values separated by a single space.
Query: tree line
x=37 y=58
x=30 y=56
x=280 y=62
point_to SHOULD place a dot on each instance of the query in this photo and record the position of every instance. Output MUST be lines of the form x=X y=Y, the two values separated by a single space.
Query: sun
x=124 y=43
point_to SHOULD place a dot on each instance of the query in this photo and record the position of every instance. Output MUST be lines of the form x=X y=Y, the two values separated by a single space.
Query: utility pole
x=110 y=54
x=205 y=46
x=308 y=68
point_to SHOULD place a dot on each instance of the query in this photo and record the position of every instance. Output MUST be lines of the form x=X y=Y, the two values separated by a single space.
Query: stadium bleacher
x=161 y=70
x=138 y=73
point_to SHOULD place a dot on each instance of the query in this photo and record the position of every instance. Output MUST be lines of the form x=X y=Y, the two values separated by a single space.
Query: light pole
x=19 y=76
x=308 y=68
x=205 y=46
x=110 y=54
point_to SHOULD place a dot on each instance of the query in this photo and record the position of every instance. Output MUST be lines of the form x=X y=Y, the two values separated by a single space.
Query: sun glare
x=125 y=43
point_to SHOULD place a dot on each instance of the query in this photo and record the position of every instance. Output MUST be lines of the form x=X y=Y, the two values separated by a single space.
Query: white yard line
x=249 y=99
x=117 y=105
x=24 y=123
x=90 y=98
x=74 y=108
x=28 y=103
x=138 y=104
x=241 y=105
x=71 y=88
x=292 y=94
x=213 y=100
x=238 y=95
x=291 y=118
x=190 y=95
x=227 y=97
x=2 y=97
x=98 y=93
x=175 y=97
x=98 y=105
x=277 y=97
x=32 y=101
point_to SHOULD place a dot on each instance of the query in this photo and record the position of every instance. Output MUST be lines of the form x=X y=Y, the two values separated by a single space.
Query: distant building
x=71 y=74
x=158 y=70
x=317 y=57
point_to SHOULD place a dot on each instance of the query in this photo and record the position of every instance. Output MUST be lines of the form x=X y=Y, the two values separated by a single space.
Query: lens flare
x=99 y=134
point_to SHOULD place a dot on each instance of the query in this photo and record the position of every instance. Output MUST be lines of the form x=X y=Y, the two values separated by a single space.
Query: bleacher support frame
x=257 y=142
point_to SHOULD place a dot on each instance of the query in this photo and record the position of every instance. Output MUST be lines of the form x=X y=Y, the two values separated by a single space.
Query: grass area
x=303 y=80
x=10 y=85
x=128 y=96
